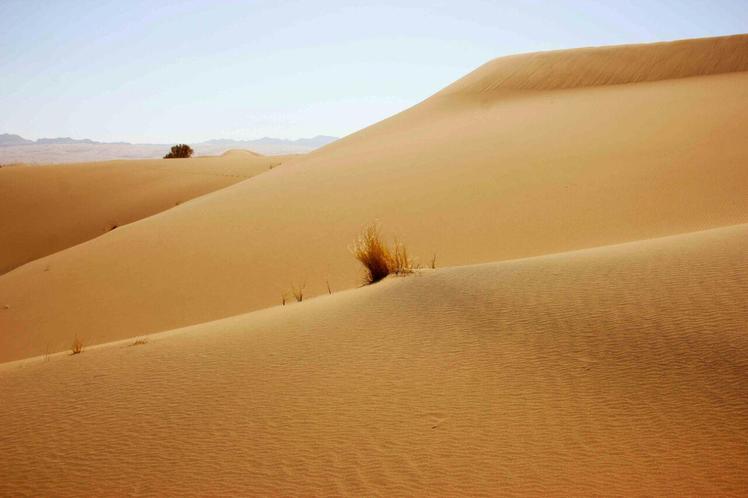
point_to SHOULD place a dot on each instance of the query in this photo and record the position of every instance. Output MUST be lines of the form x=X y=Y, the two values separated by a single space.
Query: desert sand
x=585 y=332
x=47 y=209
x=611 y=371
x=473 y=177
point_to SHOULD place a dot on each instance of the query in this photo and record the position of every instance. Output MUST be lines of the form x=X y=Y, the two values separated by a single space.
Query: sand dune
x=611 y=371
x=471 y=179
x=607 y=66
x=585 y=334
x=240 y=153
x=47 y=209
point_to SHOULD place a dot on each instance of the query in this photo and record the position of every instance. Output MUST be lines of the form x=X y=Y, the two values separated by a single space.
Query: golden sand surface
x=470 y=178
x=585 y=331
x=611 y=371
x=46 y=209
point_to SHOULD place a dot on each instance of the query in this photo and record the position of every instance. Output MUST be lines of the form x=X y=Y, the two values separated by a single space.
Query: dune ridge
x=617 y=371
x=599 y=66
x=244 y=153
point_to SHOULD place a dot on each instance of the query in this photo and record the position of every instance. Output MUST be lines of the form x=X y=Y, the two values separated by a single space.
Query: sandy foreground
x=585 y=332
x=618 y=370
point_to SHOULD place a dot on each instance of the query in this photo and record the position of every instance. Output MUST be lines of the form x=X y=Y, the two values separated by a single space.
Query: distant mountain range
x=6 y=140
x=16 y=149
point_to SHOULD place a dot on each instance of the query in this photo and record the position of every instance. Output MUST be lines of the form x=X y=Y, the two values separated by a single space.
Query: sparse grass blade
x=77 y=346
x=298 y=292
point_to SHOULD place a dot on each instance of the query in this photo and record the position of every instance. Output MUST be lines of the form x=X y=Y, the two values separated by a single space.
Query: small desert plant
x=401 y=263
x=179 y=151
x=378 y=259
x=329 y=290
x=298 y=292
x=140 y=342
x=77 y=346
x=433 y=262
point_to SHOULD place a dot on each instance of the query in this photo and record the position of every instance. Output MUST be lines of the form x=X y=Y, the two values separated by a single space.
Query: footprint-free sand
x=585 y=331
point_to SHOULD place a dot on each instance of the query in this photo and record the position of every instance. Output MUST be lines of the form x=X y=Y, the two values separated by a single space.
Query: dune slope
x=470 y=178
x=47 y=209
x=611 y=371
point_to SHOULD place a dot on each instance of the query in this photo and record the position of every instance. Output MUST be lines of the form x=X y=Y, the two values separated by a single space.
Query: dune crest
x=597 y=66
x=236 y=153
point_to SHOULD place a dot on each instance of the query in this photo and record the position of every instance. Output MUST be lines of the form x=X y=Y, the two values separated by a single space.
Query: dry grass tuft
x=378 y=259
x=298 y=292
x=433 y=262
x=77 y=346
x=140 y=342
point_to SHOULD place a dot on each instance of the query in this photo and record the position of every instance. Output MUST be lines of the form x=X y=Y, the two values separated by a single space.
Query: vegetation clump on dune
x=298 y=292
x=180 y=151
x=77 y=346
x=378 y=259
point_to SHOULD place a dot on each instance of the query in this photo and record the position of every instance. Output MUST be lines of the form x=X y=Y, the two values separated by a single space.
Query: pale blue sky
x=167 y=71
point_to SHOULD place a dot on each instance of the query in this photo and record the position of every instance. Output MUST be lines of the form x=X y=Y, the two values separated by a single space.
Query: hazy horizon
x=194 y=71
x=214 y=139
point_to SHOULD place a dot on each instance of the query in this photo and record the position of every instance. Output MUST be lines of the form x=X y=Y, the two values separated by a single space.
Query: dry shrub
x=77 y=346
x=179 y=151
x=371 y=252
x=378 y=259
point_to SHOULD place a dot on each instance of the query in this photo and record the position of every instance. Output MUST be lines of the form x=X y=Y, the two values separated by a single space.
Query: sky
x=191 y=70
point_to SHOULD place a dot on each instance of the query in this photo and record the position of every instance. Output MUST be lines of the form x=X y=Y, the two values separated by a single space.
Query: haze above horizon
x=192 y=71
